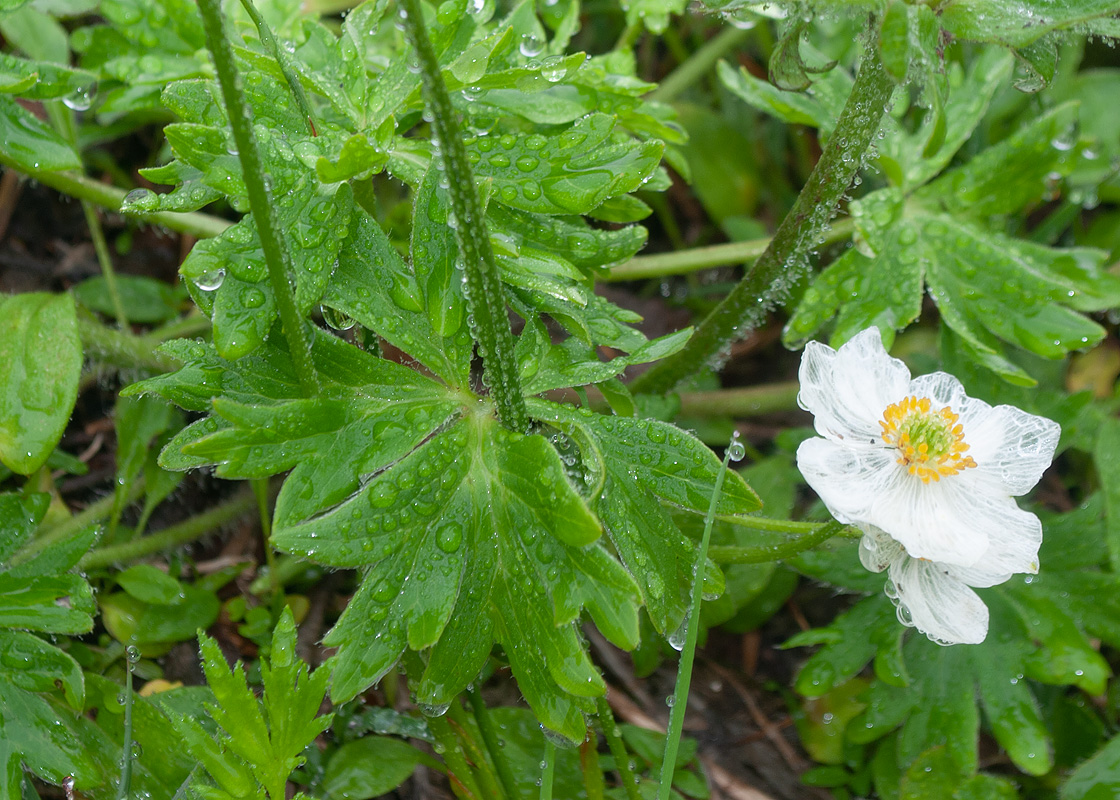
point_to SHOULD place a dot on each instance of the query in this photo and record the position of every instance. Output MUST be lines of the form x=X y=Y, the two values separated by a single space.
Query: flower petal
x=877 y=550
x=1012 y=447
x=936 y=603
x=850 y=481
x=936 y=521
x=1008 y=444
x=848 y=390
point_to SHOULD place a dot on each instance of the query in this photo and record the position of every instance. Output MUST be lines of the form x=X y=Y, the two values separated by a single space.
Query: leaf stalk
x=482 y=286
x=786 y=257
x=276 y=255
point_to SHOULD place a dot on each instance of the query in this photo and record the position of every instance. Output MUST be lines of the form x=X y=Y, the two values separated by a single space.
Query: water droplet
x=81 y=98
x=531 y=45
x=211 y=281
x=736 y=450
x=336 y=319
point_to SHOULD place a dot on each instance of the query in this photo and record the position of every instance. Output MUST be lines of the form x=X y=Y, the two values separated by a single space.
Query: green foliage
x=932 y=695
x=40 y=363
x=473 y=546
x=259 y=742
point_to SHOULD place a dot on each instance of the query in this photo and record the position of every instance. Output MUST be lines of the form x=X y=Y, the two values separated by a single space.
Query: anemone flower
x=929 y=475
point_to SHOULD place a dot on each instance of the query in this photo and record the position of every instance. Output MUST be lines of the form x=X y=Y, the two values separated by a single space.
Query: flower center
x=930 y=443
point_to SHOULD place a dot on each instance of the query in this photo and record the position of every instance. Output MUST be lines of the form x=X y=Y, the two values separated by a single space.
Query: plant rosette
x=929 y=475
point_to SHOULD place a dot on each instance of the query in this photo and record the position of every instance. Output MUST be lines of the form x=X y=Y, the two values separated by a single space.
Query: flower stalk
x=482 y=287
x=786 y=256
x=276 y=255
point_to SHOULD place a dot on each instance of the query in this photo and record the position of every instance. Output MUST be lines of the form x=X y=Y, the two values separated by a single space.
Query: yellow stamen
x=930 y=443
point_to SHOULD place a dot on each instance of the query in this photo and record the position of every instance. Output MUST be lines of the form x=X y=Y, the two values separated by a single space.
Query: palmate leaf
x=988 y=287
x=260 y=742
x=370 y=413
x=475 y=537
x=628 y=462
x=571 y=173
x=933 y=695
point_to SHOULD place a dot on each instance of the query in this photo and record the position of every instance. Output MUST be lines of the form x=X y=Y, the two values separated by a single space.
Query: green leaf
x=629 y=461
x=374 y=286
x=51 y=604
x=370 y=767
x=987 y=286
x=52 y=744
x=29 y=145
x=19 y=516
x=1037 y=632
x=133 y=621
x=30 y=663
x=1019 y=23
x=654 y=14
x=371 y=410
x=1008 y=175
x=1107 y=458
x=474 y=537
x=151 y=585
x=907 y=157
x=40 y=363
x=227 y=274
x=571 y=172
x=1095 y=779
x=145 y=300
x=934 y=776
x=40 y=80
x=268 y=736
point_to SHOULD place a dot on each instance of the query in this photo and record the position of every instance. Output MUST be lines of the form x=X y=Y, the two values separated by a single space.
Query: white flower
x=929 y=475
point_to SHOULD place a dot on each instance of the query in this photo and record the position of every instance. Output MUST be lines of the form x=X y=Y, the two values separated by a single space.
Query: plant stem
x=592 y=770
x=276 y=255
x=549 y=769
x=748 y=402
x=192 y=223
x=698 y=64
x=493 y=746
x=122 y=349
x=488 y=780
x=681 y=262
x=482 y=287
x=688 y=652
x=64 y=121
x=786 y=258
x=458 y=770
x=617 y=748
x=131 y=656
x=285 y=62
x=729 y=554
x=187 y=531
x=90 y=515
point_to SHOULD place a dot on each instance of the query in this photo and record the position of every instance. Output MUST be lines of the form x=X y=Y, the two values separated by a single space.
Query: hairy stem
x=786 y=257
x=90 y=515
x=617 y=748
x=121 y=349
x=192 y=223
x=682 y=262
x=491 y=740
x=276 y=255
x=698 y=64
x=187 y=531
x=284 y=60
x=482 y=287
x=747 y=402
x=729 y=554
